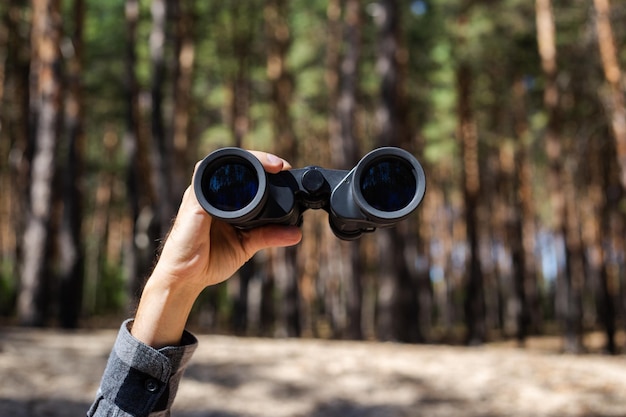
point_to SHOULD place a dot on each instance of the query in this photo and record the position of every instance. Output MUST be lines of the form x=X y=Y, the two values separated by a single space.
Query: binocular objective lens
x=231 y=187
x=388 y=184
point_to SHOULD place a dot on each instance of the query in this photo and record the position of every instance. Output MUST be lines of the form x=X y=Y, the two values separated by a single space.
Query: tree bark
x=616 y=108
x=398 y=294
x=71 y=267
x=284 y=260
x=161 y=149
x=14 y=144
x=468 y=138
x=529 y=314
x=601 y=205
x=45 y=117
x=140 y=187
x=242 y=33
x=183 y=144
x=560 y=187
x=348 y=155
x=388 y=294
x=342 y=81
x=281 y=81
x=242 y=38
x=613 y=75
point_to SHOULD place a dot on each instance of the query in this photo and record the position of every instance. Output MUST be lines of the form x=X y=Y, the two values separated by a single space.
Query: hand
x=200 y=251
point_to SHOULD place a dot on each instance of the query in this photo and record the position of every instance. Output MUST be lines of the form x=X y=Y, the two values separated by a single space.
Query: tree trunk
x=141 y=195
x=184 y=146
x=349 y=76
x=14 y=103
x=568 y=286
x=242 y=35
x=346 y=110
x=281 y=81
x=161 y=149
x=617 y=110
x=70 y=242
x=7 y=230
x=45 y=116
x=387 y=308
x=332 y=77
x=325 y=258
x=523 y=227
x=613 y=75
x=5 y=32
x=243 y=32
x=601 y=206
x=342 y=80
x=397 y=308
x=284 y=262
x=468 y=137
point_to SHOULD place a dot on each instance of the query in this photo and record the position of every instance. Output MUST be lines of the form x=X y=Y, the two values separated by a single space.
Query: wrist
x=163 y=311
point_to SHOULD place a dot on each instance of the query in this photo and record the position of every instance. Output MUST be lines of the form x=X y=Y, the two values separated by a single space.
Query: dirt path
x=45 y=373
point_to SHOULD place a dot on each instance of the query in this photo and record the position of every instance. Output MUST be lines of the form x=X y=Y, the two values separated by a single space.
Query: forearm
x=163 y=311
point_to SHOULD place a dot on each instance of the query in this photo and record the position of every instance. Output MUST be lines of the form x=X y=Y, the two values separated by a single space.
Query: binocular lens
x=231 y=186
x=388 y=184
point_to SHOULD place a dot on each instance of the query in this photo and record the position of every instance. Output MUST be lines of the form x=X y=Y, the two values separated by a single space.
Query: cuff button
x=151 y=385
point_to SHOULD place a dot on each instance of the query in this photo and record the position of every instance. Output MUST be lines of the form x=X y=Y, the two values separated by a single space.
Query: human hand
x=200 y=251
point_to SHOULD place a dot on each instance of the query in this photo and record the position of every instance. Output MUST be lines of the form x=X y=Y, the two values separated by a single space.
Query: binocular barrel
x=384 y=188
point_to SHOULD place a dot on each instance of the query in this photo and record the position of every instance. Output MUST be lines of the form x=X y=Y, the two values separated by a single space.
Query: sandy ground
x=51 y=373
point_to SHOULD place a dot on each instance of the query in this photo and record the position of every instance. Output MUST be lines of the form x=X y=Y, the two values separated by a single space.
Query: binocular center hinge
x=316 y=188
x=313 y=181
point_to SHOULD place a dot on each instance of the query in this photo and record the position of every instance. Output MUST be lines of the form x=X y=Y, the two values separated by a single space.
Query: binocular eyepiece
x=384 y=188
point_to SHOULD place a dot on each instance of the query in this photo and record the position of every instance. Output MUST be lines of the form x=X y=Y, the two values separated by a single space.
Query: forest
x=515 y=109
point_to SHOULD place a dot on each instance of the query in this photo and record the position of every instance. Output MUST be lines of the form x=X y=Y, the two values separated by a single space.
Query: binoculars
x=384 y=188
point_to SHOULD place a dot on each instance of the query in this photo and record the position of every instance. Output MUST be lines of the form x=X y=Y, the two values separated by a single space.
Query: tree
x=71 y=265
x=183 y=141
x=613 y=75
x=239 y=27
x=396 y=308
x=284 y=261
x=345 y=154
x=467 y=135
x=569 y=283
x=139 y=183
x=523 y=225
x=15 y=149
x=45 y=116
x=161 y=147
x=616 y=110
x=342 y=76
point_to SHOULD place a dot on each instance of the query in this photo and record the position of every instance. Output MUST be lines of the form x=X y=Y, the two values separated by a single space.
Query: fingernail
x=273 y=159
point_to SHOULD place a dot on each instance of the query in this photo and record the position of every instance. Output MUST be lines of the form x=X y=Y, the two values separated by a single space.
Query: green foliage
x=111 y=294
x=103 y=75
x=8 y=286
x=439 y=128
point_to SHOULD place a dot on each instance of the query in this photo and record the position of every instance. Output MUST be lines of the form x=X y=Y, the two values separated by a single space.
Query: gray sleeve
x=140 y=380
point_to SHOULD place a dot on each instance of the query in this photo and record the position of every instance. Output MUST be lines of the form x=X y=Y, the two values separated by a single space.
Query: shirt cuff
x=139 y=379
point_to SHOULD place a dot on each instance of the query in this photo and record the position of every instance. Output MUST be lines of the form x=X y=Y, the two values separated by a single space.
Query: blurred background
x=515 y=109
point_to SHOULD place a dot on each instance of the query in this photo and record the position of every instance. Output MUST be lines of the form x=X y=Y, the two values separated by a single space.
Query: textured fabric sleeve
x=140 y=380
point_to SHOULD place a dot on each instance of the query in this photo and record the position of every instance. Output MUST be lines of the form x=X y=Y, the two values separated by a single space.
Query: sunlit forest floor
x=52 y=373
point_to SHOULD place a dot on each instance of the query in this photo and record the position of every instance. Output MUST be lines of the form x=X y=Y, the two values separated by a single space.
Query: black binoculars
x=384 y=188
